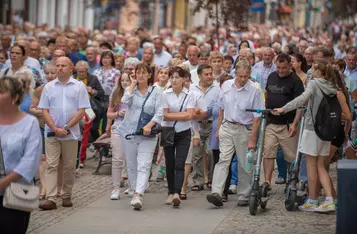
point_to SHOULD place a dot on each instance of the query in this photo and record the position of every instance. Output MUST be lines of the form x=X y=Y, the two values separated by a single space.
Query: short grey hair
x=82 y=63
x=131 y=61
x=49 y=64
x=148 y=45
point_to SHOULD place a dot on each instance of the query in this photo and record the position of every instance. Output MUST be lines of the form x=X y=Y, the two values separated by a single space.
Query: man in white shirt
x=209 y=93
x=63 y=102
x=237 y=130
x=161 y=57
x=192 y=61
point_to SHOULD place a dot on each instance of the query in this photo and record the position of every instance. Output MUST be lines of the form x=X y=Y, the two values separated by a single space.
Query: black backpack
x=328 y=118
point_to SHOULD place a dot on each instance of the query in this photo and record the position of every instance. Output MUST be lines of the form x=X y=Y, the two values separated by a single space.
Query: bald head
x=35 y=50
x=64 y=68
x=193 y=54
x=91 y=54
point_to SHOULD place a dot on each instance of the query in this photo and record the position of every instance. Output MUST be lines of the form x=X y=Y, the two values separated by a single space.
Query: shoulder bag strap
x=2 y=164
x=180 y=108
x=6 y=71
x=147 y=97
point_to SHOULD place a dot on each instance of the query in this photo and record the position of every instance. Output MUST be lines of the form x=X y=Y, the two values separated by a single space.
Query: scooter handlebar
x=259 y=110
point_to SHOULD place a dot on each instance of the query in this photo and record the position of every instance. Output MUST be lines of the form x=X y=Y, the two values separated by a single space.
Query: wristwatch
x=66 y=127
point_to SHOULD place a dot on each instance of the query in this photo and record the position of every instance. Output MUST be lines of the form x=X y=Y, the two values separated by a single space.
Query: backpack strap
x=6 y=71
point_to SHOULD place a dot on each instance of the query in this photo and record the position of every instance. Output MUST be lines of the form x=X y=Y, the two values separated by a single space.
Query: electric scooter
x=295 y=189
x=260 y=193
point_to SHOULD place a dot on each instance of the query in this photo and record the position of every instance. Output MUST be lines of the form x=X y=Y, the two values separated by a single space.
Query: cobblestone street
x=91 y=193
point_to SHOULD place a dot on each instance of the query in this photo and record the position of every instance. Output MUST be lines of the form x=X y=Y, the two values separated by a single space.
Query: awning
x=284 y=9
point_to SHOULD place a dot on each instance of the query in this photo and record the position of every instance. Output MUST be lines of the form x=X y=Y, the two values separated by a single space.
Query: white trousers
x=118 y=160
x=139 y=151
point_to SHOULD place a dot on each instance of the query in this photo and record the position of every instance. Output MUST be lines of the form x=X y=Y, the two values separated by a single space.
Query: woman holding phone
x=142 y=100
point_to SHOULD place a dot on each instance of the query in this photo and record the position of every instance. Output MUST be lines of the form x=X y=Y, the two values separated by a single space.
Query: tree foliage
x=344 y=8
x=233 y=12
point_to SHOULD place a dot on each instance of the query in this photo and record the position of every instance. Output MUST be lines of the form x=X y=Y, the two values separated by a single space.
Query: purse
x=144 y=117
x=19 y=196
x=99 y=105
x=168 y=133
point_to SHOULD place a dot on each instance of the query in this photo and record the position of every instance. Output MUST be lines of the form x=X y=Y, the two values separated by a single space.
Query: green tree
x=344 y=8
x=232 y=12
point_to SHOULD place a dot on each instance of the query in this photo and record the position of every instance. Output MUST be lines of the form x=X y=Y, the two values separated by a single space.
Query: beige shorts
x=276 y=135
x=312 y=145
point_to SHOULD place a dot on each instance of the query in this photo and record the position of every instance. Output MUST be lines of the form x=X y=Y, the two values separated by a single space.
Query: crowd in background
x=84 y=85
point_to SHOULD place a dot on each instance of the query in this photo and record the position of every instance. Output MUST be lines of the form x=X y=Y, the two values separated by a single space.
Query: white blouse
x=173 y=102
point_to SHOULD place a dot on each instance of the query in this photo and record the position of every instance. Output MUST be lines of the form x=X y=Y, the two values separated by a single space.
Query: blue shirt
x=92 y=69
x=214 y=142
x=63 y=102
x=25 y=105
x=76 y=56
x=351 y=74
x=21 y=145
x=134 y=102
x=162 y=59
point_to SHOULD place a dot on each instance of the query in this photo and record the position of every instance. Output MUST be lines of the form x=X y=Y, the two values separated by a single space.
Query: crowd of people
x=177 y=100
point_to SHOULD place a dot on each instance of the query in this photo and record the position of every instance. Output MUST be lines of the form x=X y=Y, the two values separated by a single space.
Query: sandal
x=197 y=188
x=183 y=196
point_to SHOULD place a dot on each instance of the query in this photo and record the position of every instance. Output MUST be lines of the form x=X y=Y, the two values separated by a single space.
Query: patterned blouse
x=107 y=79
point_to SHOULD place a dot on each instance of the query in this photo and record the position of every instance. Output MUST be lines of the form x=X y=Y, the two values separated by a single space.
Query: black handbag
x=145 y=118
x=168 y=133
x=99 y=105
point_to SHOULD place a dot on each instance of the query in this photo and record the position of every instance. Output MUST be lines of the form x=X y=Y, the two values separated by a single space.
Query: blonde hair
x=14 y=86
x=184 y=67
x=215 y=55
x=133 y=40
x=175 y=62
x=243 y=64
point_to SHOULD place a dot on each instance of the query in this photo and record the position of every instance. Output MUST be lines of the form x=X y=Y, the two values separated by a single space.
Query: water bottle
x=249 y=161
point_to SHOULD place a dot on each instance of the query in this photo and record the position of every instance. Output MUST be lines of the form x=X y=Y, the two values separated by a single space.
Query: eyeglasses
x=142 y=73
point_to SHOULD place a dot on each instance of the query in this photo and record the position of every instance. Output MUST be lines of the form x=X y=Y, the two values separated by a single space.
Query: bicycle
x=260 y=193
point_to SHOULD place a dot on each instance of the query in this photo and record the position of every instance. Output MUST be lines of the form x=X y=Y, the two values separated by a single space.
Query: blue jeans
x=280 y=161
x=303 y=170
x=234 y=169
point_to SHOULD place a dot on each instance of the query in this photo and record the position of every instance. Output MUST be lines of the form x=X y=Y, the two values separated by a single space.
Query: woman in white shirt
x=178 y=107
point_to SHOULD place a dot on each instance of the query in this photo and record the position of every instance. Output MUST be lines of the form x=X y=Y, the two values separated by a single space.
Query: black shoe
x=224 y=198
x=215 y=199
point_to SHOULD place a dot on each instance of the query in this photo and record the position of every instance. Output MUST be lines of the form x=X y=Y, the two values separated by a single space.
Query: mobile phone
x=51 y=134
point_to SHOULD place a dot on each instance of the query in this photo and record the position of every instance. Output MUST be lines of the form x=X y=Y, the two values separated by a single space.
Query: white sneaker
x=233 y=189
x=326 y=207
x=129 y=192
x=137 y=203
x=115 y=195
x=307 y=206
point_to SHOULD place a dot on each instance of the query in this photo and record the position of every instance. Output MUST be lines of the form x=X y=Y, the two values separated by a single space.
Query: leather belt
x=237 y=123
x=205 y=121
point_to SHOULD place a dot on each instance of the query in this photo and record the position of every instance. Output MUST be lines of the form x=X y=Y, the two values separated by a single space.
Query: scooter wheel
x=290 y=199
x=264 y=204
x=253 y=203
